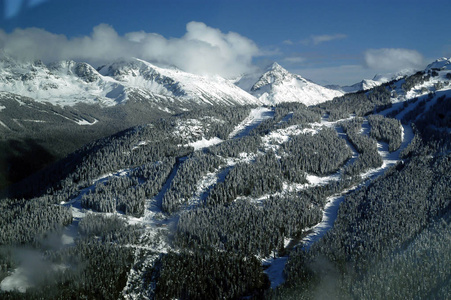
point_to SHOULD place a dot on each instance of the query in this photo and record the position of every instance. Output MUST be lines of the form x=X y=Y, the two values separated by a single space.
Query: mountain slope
x=66 y=83
x=363 y=85
x=211 y=90
x=58 y=107
x=367 y=84
x=63 y=83
x=443 y=63
x=277 y=85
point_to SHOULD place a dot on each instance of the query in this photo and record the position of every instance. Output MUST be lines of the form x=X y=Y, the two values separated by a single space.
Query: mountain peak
x=277 y=85
x=277 y=70
x=441 y=64
x=275 y=66
x=274 y=74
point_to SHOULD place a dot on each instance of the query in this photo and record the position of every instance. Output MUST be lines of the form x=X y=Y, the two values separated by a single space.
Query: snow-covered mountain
x=171 y=82
x=68 y=82
x=277 y=85
x=408 y=84
x=363 y=85
x=63 y=83
x=435 y=78
x=367 y=84
x=441 y=64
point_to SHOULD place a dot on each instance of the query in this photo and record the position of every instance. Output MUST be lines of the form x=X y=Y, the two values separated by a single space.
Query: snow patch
x=275 y=270
x=256 y=116
x=204 y=143
x=86 y=122
x=281 y=136
x=35 y=121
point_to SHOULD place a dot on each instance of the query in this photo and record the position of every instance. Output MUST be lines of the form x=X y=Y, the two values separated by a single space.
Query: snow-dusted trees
x=419 y=271
x=245 y=228
x=387 y=130
x=233 y=147
x=30 y=221
x=360 y=103
x=112 y=229
x=218 y=120
x=184 y=184
x=414 y=80
x=320 y=153
x=249 y=179
x=366 y=146
x=296 y=113
x=380 y=245
x=127 y=193
x=210 y=275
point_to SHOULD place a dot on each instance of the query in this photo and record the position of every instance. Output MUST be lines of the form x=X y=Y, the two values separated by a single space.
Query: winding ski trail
x=330 y=212
x=156 y=222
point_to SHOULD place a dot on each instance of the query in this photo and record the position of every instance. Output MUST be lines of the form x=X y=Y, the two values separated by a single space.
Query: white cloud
x=288 y=42
x=393 y=59
x=318 y=39
x=202 y=49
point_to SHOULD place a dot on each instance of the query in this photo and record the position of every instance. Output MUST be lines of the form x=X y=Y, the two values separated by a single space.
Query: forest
x=143 y=214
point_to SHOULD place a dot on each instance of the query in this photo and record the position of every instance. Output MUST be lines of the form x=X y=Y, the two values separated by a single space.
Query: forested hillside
x=244 y=202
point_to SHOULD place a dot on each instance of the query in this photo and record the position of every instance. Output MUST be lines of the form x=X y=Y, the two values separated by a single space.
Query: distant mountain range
x=67 y=83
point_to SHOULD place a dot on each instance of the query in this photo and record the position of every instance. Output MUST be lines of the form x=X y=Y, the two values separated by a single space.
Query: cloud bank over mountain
x=393 y=59
x=202 y=49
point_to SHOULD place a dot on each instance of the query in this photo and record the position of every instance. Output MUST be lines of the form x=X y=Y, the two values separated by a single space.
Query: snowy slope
x=172 y=82
x=277 y=85
x=440 y=64
x=363 y=85
x=68 y=82
x=367 y=84
x=63 y=83
x=436 y=79
x=435 y=82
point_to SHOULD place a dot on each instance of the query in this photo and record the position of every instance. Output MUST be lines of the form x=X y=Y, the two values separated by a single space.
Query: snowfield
x=204 y=143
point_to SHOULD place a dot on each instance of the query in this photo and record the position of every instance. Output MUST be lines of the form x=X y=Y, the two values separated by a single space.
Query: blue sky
x=338 y=42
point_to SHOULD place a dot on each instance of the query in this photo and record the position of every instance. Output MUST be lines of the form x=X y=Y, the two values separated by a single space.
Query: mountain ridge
x=66 y=83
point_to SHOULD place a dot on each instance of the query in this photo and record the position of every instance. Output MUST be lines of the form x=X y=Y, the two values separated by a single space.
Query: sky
x=329 y=42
